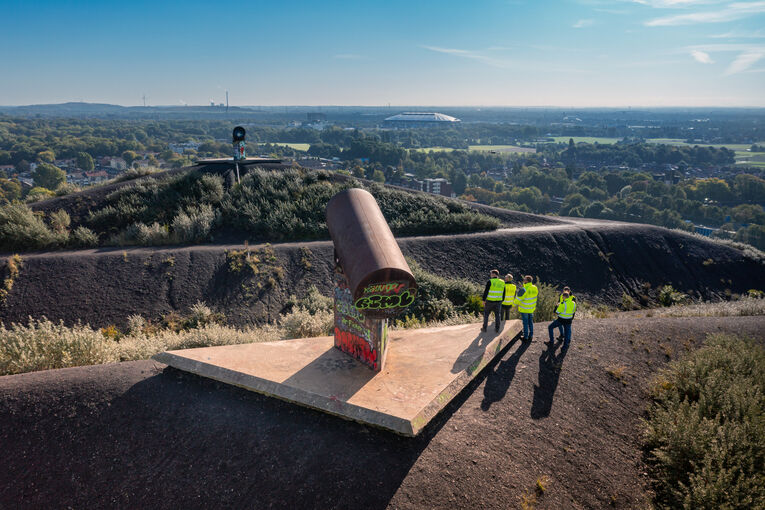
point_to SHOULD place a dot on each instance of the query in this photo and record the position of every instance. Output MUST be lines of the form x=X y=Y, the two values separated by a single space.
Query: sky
x=417 y=52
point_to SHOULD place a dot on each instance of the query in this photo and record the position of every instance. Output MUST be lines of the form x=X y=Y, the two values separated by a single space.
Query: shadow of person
x=498 y=381
x=476 y=347
x=549 y=373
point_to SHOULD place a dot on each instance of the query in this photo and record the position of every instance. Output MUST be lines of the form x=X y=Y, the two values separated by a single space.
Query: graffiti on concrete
x=355 y=334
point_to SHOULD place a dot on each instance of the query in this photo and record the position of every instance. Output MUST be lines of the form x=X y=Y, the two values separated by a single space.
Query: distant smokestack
x=227 y=101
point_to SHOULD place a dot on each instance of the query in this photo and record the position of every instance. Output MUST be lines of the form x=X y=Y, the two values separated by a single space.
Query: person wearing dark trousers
x=560 y=300
x=507 y=303
x=527 y=305
x=493 y=295
x=565 y=316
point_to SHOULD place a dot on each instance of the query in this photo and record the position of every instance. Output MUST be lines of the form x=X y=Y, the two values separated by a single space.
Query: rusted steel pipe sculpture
x=373 y=281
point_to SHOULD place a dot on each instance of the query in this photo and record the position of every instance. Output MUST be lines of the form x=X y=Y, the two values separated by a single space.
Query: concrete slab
x=425 y=370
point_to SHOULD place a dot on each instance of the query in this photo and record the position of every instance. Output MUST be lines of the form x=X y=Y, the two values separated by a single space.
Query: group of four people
x=500 y=296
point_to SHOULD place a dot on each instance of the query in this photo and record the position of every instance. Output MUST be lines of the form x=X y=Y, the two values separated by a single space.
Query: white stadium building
x=419 y=119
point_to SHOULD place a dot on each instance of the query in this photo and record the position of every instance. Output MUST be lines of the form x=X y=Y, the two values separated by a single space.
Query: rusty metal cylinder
x=378 y=276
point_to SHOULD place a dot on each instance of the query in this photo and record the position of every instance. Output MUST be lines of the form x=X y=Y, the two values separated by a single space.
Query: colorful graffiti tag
x=390 y=297
x=355 y=334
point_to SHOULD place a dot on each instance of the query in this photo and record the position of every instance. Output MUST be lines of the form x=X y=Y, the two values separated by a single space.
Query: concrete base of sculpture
x=425 y=370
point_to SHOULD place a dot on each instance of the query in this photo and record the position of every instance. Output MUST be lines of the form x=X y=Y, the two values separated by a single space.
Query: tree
x=378 y=176
x=460 y=182
x=47 y=156
x=129 y=157
x=571 y=202
x=85 y=161
x=748 y=213
x=48 y=176
x=22 y=166
x=10 y=190
x=753 y=234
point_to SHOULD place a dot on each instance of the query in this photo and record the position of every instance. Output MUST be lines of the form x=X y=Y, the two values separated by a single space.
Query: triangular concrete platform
x=425 y=370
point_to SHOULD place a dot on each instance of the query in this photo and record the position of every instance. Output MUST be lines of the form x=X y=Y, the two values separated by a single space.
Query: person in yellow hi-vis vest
x=526 y=299
x=565 y=311
x=493 y=296
x=560 y=300
x=507 y=303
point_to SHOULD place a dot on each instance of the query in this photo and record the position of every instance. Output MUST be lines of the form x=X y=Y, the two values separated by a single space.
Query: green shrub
x=43 y=345
x=300 y=323
x=22 y=229
x=313 y=301
x=83 y=237
x=439 y=298
x=60 y=221
x=705 y=431
x=13 y=268
x=668 y=296
x=193 y=224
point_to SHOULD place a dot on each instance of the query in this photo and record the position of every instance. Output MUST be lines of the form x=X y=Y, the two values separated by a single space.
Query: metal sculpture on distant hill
x=373 y=282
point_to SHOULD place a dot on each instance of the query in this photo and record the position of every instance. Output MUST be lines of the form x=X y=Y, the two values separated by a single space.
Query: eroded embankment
x=600 y=261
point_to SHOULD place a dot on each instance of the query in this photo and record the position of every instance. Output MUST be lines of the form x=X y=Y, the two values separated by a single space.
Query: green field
x=484 y=148
x=434 y=149
x=585 y=139
x=501 y=148
x=676 y=141
x=296 y=146
x=746 y=158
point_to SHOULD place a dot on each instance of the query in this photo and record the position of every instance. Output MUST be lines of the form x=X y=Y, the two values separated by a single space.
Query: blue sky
x=479 y=52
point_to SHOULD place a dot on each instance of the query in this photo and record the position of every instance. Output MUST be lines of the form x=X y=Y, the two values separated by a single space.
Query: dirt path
x=567 y=225
x=133 y=435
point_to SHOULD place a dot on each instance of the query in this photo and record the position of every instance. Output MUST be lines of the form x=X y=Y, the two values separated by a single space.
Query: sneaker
x=483 y=330
x=560 y=338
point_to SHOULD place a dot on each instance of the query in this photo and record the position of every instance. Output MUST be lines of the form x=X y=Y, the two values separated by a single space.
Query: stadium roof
x=422 y=117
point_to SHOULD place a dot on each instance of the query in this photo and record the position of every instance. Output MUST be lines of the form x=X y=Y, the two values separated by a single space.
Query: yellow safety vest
x=509 y=294
x=560 y=298
x=566 y=309
x=495 y=290
x=527 y=303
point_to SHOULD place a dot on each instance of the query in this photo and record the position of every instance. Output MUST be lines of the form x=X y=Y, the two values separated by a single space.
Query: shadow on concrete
x=549 y=372
x=498 y=381
x=334 y=370
x=475 y=349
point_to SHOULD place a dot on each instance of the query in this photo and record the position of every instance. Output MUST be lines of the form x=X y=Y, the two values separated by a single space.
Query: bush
x=706 y=428
x=193 y=224
x=440 y=298
x=300 y=323
x=668 y=296
x=313 y=301
x=134 y=173
x=22 y=229
x=60 y=221
x=83 y=237
x=44 y=345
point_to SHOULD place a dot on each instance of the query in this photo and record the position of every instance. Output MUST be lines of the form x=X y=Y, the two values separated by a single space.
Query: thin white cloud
x=347 y=56
x=701 y=56
x=582 y=23
x=740 y=34
x=737 y=47
x=674 y=4
x=731 y=12
x=744 y=62
x=469 y=54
